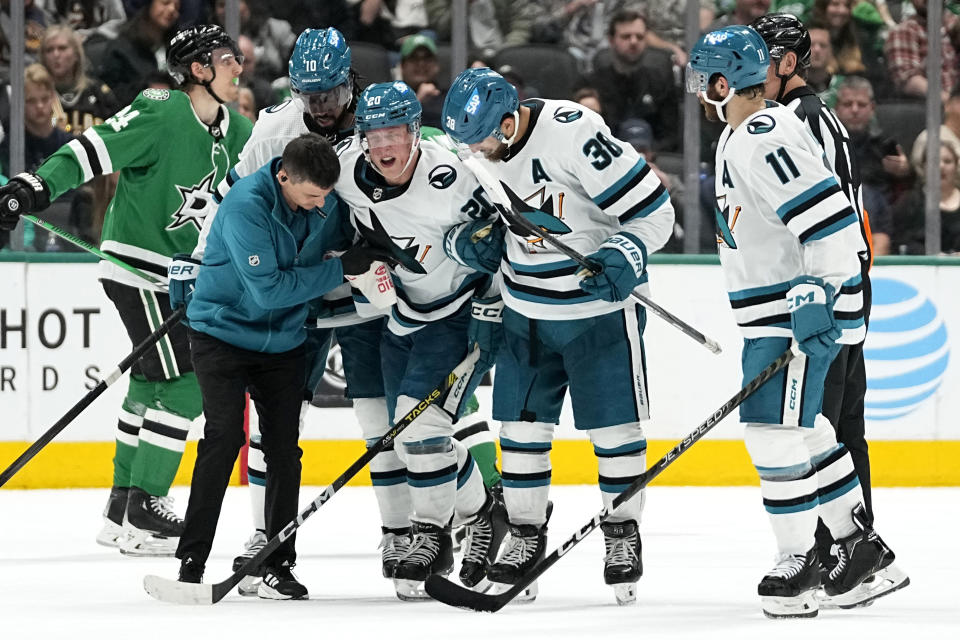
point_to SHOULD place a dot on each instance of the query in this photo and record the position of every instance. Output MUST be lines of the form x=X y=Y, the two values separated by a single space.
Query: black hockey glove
x=357 y=260
x=25 y=193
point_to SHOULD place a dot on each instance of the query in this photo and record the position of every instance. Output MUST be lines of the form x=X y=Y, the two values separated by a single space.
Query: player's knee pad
x=822 y=438
x=371 y=414
x=139 y=395
x=619 y=440
x=179 y=396
x=776 y=450
x=430 y=424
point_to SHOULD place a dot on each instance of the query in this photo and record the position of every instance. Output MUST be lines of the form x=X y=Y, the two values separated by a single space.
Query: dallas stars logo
x=197 y=202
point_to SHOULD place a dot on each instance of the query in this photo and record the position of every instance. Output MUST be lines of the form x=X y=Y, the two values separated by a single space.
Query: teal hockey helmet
x=475 y=105
x=738 y=53
x=388 y=104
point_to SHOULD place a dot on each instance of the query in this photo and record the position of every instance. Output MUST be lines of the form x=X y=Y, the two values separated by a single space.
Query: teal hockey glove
x=477 y=244
x=622 y=260
x=810 y=303
x=486 y=330
x=181 y=278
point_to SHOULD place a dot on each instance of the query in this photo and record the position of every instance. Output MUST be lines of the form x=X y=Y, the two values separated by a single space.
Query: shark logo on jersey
x=725 y=224
x=567 y=115
x=542 y=217
x=442 y=176
x=197 y=203
x=761 y=124
x=377 y=236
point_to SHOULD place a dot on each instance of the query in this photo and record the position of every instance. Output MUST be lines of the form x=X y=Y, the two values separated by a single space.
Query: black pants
x=275 y=380
x=843 y=392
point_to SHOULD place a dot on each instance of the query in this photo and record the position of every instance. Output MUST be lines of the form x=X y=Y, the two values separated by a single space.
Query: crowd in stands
x=622 y=58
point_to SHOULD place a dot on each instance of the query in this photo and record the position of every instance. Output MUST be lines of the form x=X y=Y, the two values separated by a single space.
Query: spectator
x=822 y=75
x=491 y=24
x=315 y=14
x=949 y=130
x=589 y=98
x=84 y=101
x=273 y=39
x=85 y=16
x=638 y=81
x=744 y=12
x=41 y=139
x=909 y=215
x=247 y=104
x=420 y=70
x=524 y=91
x=906 y=50
x=385 y=22
x=140 y=49
x=261 y=88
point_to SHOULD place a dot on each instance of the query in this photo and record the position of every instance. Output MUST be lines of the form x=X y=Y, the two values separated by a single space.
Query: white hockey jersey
x=411 y=220
x=582 y=185
x=781 y=213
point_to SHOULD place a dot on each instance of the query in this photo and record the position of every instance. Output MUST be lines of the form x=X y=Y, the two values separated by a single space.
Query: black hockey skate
x=525 y=547
x=622 y=564
x=431 y=551
x=788 y=590
x=250 y=584
x=863 y=571
x=279 y=583
x=393 y=545
x=484 y=533
x=191 y=570
x=150 y=525
x=113 y=513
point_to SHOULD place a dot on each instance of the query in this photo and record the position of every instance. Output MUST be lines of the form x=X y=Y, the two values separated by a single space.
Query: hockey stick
x=510 y=206
x=455 y=595
x=83 y=244
x=168 y=590
x=92 y=395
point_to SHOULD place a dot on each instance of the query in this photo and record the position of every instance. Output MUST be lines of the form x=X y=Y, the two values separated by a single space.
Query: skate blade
x=801 y=606
x=249 y=586
x=880 y=584
x=626 y=593
x=526 y=596
x=110 y=535
x=143 y=544
x=410 y=590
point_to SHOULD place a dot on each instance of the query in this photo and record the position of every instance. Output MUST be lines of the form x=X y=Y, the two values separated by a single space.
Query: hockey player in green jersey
x=171 y=148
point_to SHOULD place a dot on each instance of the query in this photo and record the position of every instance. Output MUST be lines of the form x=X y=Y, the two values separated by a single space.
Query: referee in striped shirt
x=846 y=382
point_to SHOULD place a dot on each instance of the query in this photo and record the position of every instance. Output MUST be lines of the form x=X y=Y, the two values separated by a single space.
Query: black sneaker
x=279 y=583
x=484 y=533
x=191 y=570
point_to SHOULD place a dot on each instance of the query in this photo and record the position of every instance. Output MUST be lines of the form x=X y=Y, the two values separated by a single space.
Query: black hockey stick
x=455 y=595
x=510 y=206
x=168 y=590
x=92 y=395
x=83 y=244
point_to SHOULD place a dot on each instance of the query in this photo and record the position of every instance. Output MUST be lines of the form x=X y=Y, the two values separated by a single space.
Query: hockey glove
x=810 y=303
x=181 y=278
x=25 y=193
x=357 y=260
x=376 y=285
x=622 y=259
x=486 y=330
x=477 y=244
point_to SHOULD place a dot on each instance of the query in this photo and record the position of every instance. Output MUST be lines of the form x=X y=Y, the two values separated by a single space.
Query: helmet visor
x=387 y=136
x=696 y=81
x=324 y=102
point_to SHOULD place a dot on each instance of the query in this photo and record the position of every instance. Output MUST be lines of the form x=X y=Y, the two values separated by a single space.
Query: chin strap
x=783 y=80
x=719 y=104
x=516 y=129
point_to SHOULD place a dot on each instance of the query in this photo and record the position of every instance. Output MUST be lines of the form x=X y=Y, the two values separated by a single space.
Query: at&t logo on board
x=906 y=352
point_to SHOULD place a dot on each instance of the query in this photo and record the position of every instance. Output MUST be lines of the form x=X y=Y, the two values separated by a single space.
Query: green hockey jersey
x=169 y=164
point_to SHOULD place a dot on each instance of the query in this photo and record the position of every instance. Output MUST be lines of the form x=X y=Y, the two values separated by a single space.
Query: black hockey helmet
x=784 y=32
x=195 y=44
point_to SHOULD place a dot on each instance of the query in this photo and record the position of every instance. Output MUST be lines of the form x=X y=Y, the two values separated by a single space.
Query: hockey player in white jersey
x=404 y=195
x=788 y=240
x=564 y=326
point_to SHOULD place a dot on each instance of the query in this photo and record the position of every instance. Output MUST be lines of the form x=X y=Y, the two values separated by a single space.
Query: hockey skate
x=279 y=583
x=431 y=551
x=525 y=547
x=864 y=568
x=113 y=513
x=484 y=533
x=788 y=590
x=250 y=584
x=622 y=564
x=393 y=545
x=150 y=526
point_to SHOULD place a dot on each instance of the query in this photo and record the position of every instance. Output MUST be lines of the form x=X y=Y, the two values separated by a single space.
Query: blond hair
x=37 y=74
x=78 y=76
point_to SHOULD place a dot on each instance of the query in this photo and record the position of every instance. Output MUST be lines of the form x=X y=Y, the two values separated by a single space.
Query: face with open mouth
x=390 y=149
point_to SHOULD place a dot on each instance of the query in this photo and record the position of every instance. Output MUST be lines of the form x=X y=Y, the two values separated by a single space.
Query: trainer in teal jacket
x=263 y=262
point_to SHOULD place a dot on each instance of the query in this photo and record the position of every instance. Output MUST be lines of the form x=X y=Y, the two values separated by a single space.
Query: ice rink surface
x=705 y=549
